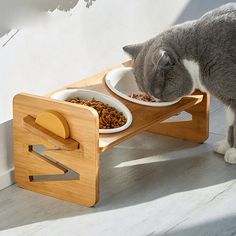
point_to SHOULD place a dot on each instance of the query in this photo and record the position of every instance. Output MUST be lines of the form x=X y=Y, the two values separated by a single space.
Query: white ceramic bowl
x=88 y=95
x=122 y=82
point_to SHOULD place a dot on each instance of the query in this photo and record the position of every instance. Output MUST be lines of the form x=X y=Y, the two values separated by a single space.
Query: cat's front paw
x=221 y=146
x=230 y=156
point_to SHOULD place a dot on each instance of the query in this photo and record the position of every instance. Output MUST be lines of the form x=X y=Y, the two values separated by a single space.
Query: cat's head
x=159 y=72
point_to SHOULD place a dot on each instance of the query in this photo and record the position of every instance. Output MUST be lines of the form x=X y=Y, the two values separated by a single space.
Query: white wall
x=55 y=48
x=65 y=47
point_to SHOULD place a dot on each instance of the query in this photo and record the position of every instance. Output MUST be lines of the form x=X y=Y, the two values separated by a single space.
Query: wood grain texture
x=54 y=122
x=83 y=122
x=196 y=130
x=31 y=126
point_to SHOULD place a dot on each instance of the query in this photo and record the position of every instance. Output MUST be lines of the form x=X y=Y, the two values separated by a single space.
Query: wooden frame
x=196 y=130
x=80 y=152
x=83 y=123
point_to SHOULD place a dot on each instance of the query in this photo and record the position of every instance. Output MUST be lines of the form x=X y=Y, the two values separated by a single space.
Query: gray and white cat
x=198 y=54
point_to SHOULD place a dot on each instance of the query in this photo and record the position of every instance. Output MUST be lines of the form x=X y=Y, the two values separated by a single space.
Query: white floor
x=151 y=185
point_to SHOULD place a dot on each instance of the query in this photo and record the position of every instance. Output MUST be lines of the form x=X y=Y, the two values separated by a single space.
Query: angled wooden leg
x=196 y=130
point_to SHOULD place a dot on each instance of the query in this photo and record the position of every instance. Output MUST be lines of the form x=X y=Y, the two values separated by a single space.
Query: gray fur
x=230 y=135
x=210 y=41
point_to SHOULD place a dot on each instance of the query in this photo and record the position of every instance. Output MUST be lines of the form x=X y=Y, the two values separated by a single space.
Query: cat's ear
x=163 y=60
x=133 y=50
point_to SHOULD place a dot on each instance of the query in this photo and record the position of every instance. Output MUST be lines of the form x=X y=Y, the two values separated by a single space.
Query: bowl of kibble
x=114 y=116
x=122 y=82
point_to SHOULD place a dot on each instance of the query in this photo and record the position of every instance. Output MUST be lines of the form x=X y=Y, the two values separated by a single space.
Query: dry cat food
x=109 y=117
x=143 y=97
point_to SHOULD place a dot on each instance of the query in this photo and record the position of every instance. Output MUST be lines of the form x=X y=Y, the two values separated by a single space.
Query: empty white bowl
x=88 y=95
x=122 y=82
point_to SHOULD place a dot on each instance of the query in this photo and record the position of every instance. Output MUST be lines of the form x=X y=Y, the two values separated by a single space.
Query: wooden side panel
x=83 y=122
x=196 y=130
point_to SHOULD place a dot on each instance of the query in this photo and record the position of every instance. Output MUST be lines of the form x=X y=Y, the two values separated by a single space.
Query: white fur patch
x=193 y=68
x=230 y=116
x=230 y=156
x=221 y=146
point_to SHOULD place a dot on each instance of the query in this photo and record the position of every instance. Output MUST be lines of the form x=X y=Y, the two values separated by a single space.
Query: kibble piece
x=143 y=97
x=109 y=117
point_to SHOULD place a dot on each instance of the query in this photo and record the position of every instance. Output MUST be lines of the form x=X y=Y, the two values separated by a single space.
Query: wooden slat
x=65 y=144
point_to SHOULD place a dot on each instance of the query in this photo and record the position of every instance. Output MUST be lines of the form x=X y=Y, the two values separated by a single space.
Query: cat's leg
x=224 y=145
x=230 y=155
x=221 y=146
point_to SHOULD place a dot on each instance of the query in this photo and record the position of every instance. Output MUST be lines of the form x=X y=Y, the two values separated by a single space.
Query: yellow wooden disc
x=54 y=122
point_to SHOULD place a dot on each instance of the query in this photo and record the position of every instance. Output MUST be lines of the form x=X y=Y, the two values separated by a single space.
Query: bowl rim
x=125 y=109
x=126 y=97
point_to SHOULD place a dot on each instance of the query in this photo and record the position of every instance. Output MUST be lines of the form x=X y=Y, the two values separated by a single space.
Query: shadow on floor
x=6 y=144
x=140 y=170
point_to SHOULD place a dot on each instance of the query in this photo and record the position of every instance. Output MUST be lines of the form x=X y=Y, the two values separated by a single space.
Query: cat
x=199 y=54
